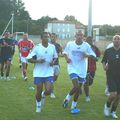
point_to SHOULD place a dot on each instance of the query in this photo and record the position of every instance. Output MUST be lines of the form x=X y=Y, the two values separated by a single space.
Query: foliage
x=42 y=22
x=7 y=8
x=108 y=29
x=23 y=21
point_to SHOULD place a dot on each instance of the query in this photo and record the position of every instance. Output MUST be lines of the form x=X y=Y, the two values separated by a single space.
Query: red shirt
x=92 y=60
x=25 y=46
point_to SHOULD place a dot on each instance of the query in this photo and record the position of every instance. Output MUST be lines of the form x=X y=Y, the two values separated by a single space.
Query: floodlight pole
x=89 y=30
x=12 y=23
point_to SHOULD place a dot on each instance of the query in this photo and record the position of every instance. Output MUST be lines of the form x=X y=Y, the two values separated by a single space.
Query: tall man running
x=91 y=68
x=76 y=54
x=56 y=66
x=25 y=45
x=43 y=56
x=6 y=55
x=111 y=64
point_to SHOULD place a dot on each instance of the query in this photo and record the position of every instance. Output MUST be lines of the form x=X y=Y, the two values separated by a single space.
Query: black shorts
x=5 y=58
x=113 y=82
x=89 y=78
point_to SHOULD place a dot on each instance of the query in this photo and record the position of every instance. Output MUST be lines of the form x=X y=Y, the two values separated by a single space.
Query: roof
x=61 y=21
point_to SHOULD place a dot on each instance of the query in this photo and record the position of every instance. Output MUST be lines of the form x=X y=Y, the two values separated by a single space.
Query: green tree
x=42 y=22
x=7 y=7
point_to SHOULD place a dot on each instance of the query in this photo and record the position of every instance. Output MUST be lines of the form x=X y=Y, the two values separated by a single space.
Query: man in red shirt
x=91 y=67
x=24 y=45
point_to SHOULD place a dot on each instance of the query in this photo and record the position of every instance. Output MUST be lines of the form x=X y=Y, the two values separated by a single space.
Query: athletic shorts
x=89 y=78
x=23 y=59
x=38 y=80
x=56 y=69
x=75 y=76
x=5 y=58
x=113 y=82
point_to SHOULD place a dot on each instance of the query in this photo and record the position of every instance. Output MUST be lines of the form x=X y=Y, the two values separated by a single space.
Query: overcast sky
x=104 y=11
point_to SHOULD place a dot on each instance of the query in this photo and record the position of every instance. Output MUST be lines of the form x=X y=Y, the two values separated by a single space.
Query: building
x=63 y=29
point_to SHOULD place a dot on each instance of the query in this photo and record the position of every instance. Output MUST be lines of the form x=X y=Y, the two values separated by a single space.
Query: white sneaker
x=52 y=95
x=87 y=99
x=65 y=103
x=2 y=78
x=8 y=78
x=25 y=78
x=38 y=109
x=113 y=114
x=106 y=110
x=13 y=77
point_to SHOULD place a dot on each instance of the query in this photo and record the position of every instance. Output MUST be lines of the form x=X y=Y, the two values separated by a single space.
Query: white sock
x=43 y=95
x=68 y=97
x=73 y=104
x=38 y=103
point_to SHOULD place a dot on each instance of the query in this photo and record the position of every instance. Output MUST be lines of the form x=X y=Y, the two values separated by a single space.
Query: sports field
x=17 y=100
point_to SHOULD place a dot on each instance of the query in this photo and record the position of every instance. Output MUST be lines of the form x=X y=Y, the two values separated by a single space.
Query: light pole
x=89 y=30
x=12 y=23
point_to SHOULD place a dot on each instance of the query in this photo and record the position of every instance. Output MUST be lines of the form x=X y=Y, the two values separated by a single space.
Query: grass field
x=17 y=101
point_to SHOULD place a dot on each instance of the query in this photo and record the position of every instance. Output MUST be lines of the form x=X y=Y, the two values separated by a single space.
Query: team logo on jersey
x=78 y=47
x=46 y=52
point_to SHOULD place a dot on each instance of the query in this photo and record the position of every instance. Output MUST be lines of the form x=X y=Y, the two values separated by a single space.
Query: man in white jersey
x=43 y=55
x=76 y=54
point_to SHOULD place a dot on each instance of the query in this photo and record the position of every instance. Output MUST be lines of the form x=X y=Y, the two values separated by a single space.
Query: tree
x=72 y=19
x=42 y=22
x=7 y=7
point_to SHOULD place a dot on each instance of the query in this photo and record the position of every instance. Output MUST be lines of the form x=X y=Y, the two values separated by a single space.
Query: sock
x=43 y=94
x=113 y=109
x=73 y=104
x=38 y=103
x=68 y=97
x=108 y=104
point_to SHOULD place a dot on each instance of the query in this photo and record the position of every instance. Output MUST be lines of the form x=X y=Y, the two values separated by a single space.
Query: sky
x=103 y=11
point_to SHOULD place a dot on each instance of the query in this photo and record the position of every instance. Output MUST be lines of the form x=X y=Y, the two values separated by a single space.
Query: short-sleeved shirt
x=78 y=64
x=112 y=58
x=92 y=60
x=48 y=53
x=57 y=47
x=24 y=46
x=6 y=50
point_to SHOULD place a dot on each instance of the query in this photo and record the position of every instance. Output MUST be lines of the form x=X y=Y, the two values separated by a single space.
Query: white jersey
x=41 y=52
x=78 y=64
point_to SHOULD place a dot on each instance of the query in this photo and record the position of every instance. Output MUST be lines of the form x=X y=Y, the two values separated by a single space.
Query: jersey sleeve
x=31 y=44
x=90 y=51
x=32 y=53
x=19 y=44
x=66 y=50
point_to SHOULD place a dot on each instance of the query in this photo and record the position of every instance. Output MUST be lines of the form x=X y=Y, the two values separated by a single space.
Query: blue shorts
x=75 y=76
x=38 y=80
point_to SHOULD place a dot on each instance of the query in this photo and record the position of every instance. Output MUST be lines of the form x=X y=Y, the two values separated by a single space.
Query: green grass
x=17 y=101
